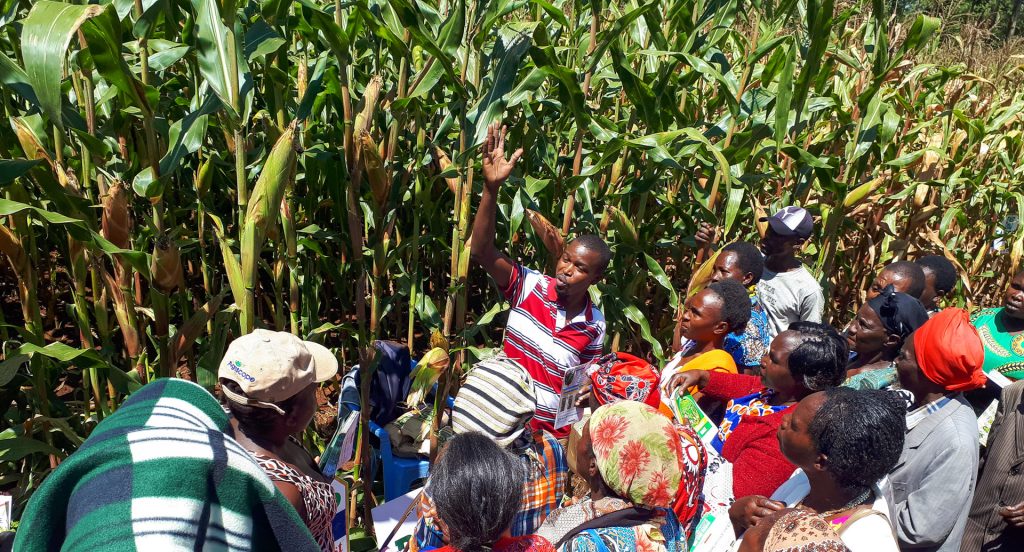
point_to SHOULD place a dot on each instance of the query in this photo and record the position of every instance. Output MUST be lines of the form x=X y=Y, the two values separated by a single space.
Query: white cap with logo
x=271 y=367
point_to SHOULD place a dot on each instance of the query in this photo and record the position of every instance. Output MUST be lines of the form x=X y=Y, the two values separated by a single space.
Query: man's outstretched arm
x=496 y=170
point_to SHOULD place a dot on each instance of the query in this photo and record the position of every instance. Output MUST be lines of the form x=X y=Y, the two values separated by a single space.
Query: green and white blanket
x=160 y=474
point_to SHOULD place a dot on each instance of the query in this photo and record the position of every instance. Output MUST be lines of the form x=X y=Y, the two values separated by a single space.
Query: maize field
x=178 y=172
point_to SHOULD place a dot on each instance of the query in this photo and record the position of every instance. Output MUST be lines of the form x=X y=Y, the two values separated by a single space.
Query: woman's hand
x=746 y=512
x=687 y=380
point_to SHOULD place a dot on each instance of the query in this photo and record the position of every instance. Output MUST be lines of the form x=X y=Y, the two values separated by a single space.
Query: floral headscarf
x=623 y=376
x=803 y=531
x=638 y=452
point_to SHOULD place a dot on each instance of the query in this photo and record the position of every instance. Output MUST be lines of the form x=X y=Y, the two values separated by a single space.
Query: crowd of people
x=862 y=438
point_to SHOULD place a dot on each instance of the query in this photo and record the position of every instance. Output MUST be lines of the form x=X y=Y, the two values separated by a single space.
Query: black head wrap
x=900 y=313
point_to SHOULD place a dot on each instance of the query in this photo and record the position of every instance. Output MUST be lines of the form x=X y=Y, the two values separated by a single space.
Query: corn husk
x=373 y=165
x=274 y=179
x=428 y=370
x=204 y=178
x=864 y=190
x=165 y=269
x=551 y=236
x=371 y=95
x=439 y=341
x=624 y=228
x=931 y=168
x=116 y=221
x=443 y=163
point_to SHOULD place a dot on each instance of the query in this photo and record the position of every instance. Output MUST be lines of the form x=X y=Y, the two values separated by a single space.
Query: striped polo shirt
x=538 y=336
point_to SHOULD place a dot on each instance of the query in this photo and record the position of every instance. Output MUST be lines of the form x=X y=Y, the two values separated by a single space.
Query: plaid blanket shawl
x=161 y=474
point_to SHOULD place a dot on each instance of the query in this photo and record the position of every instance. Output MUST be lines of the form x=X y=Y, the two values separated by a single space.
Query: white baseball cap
x=271 y=367
x=791 y=221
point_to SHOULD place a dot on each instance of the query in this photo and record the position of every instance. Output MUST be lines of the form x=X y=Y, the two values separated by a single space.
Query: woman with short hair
x=477 y=487
x=807 y=357
x=844 y=442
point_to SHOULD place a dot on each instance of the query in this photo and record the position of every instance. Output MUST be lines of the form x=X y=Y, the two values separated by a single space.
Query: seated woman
x=269 y=381
x=792 y=530
x=477 y=490
x=709 y=316
x=807 y=357
x=876 y=336
x=844 y=443
x=630 y=456
x=1002 y=332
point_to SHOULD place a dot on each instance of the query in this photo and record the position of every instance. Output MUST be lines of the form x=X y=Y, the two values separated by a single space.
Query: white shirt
x=788 y=297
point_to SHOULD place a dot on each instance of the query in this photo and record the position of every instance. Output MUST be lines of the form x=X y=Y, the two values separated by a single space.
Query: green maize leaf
x=46 y=35
x=9 y=368
x=84 y=358
x=615 y=32
x=492 y=105
x=313 y=90
x=14 y=448
x=187 y=134
x=261 y=40
x=784 y=96
x=232 y=268
x=555 y=13
x=635 y=316
x=336 y=38
x=221 y=61
x=139 y=260
x=11 y=169
x=658 y=273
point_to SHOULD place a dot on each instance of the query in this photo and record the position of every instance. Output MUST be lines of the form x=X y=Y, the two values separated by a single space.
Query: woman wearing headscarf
x=632 y=460
x=933 y=482
x=628 y=378
x=1002 y=332
x=876 y=336
x=793 y=531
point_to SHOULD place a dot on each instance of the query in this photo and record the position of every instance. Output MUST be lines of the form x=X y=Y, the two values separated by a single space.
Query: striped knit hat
x=496 y=400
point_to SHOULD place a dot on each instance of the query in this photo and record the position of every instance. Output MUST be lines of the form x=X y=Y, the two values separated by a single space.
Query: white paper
x=985 y=422
x=999 y=379
x=387 y=516
x=714 y=533
x=572 y=382
x=6 y=505
x=339 y=525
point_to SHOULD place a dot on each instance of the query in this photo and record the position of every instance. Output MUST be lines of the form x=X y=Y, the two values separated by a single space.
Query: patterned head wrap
x=638 y=452
x=949 y=351
x=626 y=377
x=900 y=313
x=803 y=531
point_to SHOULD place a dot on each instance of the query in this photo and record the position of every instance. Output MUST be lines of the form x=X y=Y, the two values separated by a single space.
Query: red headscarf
x=949 y=351
x=628 y=378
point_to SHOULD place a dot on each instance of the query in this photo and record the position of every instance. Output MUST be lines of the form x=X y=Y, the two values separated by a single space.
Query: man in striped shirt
x=553 y=325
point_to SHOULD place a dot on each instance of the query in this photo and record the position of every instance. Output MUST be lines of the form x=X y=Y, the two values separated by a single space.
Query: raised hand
x=495 y=167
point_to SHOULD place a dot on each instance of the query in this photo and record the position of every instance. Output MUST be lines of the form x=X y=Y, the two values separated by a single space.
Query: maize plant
x=178 y=173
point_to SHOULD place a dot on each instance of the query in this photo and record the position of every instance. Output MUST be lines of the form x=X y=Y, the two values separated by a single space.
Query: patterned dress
x=317 y=497
x=1004 y=352
x=756 y=404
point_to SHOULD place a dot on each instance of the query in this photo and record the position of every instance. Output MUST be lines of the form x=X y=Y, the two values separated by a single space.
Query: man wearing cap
x=553 y=325
x=933 y=481
x=787 y=290
x=498 y=400
x=269 y=381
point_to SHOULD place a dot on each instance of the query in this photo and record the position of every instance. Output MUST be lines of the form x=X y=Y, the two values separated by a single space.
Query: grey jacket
x=933 y=482
x=1002 y=480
